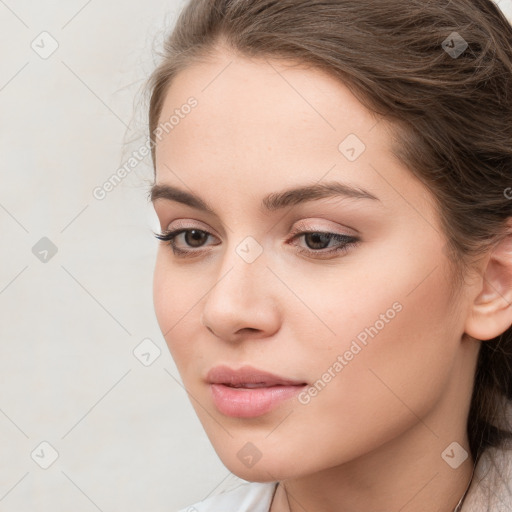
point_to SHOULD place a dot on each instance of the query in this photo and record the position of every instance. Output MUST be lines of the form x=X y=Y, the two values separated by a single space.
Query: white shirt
x=250 y=497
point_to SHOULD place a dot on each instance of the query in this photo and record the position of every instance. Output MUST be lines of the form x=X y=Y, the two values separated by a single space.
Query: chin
x=262 y=471
x=265 y=464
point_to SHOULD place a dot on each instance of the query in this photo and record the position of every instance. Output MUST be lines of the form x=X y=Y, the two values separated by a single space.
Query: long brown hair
x=441 y=71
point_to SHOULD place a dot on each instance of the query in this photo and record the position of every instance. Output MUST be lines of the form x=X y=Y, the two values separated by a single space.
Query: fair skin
x=372 y=438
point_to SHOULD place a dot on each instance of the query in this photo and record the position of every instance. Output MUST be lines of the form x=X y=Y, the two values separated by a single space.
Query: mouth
x=248 y=392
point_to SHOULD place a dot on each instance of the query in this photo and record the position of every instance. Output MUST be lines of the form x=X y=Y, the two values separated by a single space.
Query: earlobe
x=491 y=310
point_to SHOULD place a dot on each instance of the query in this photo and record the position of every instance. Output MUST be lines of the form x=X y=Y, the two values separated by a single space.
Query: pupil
x=322 y=238
x=196 y=236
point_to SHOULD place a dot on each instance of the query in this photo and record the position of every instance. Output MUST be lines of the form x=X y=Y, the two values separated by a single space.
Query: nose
x=242 y=303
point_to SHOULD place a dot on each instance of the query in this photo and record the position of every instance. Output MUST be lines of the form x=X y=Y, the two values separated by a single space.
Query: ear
x=491 y=310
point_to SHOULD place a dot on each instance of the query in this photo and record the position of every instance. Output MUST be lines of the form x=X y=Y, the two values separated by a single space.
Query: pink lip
x=248 y=392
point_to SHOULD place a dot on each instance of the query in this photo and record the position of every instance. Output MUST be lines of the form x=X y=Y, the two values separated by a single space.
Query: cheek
x=407 y=328
x=175 y=298
x=163 y=293
x=392 y=359
x=396 y=337
x=385 y=300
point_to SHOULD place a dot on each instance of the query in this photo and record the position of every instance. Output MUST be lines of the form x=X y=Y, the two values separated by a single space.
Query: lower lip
x=250 y=402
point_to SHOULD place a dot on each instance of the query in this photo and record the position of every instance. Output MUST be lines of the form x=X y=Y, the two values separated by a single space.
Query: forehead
x=264 y=125
x=264 y=99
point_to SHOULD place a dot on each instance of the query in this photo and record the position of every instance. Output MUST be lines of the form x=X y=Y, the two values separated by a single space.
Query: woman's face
x=359 y=332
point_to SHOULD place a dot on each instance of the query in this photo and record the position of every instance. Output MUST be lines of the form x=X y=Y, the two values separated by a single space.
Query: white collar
x=491 y=488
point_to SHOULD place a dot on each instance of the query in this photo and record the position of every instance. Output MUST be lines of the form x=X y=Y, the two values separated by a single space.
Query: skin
x=372 y=439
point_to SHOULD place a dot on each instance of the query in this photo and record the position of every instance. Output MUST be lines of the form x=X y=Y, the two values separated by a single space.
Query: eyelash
x=347 y=242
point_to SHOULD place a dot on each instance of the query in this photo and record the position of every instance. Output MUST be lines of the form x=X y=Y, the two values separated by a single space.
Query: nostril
x=249 y=329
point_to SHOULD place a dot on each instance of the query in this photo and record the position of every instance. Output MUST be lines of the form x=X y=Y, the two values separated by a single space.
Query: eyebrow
x=271 y=202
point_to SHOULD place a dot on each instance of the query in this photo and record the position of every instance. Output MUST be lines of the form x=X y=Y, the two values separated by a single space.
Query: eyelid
x=305 y=226
x=347 y=241
x=298 y=227
x=184 y=224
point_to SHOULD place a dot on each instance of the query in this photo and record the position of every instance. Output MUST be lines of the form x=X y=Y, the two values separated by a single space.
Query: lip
x=248 y=392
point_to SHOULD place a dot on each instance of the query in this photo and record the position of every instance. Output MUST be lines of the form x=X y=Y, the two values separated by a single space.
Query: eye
x=192 y=237
x=318 y=241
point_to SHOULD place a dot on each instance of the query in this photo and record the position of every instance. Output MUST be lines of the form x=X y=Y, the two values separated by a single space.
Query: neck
x=408 y=475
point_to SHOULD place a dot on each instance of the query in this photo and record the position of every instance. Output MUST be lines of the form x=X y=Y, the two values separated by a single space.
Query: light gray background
x=125 y=433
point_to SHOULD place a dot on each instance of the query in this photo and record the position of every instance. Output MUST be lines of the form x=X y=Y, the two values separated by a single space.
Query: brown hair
x=451 y=113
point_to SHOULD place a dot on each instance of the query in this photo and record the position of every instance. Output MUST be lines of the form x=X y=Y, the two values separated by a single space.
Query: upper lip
x=247 y=375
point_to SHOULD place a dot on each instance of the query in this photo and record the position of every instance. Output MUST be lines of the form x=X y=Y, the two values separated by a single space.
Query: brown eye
x=183 y=241
x=317 y=243
x=195 y=237
x=317 y=240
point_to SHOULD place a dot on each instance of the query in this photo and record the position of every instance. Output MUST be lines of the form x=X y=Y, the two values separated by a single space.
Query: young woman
x=333 y=182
